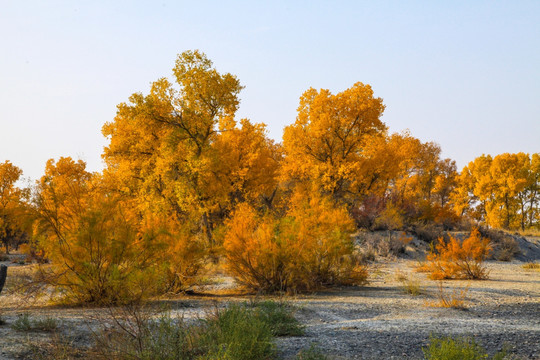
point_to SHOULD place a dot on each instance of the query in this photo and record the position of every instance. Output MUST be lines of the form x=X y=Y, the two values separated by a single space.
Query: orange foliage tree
x=178 y=150
x=501 y=191
x=325 y=145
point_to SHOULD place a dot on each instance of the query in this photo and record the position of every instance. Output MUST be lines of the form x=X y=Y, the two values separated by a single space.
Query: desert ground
x=378 y=321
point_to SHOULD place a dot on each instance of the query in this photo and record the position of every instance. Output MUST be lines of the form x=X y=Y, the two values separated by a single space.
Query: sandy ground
x=378 y=321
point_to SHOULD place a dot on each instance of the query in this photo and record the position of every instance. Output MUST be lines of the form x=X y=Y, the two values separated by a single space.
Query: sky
x=464 y=74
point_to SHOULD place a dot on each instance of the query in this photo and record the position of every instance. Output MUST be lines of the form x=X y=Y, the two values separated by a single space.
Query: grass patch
x=457 y=349
x=311 y=353
x=25 y=323
x=240 y=332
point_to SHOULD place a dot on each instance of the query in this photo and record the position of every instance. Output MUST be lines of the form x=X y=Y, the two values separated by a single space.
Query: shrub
x=427 y=233
x=457 y=259
x=458 y=349
x=131 y=332
x=23 y=323
x=45 y=324
x=386 y=244
x=308 y=249
x=507 y=249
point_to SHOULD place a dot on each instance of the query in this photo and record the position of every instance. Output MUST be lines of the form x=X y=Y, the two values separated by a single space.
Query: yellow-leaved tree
x=501 y=191
x=326 y=144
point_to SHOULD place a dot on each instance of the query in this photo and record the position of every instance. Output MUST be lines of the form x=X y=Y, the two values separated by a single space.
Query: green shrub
x=279 y=316
x=23 y=323
x=311 y=353
x=237 y=333
x=458 y=349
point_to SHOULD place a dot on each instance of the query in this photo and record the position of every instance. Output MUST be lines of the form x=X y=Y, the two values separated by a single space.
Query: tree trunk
x=3 y=276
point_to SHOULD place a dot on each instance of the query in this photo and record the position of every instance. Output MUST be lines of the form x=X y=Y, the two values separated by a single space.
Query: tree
x=327 y=142
x=501 y=191
x=12 y=208
x=160 y=146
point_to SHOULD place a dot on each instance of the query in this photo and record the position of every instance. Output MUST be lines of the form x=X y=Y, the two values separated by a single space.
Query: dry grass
x=531 y=266
x=454 y=299
x=408 y=285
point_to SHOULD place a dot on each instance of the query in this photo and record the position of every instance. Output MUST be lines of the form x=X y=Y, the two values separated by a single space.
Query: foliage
x=457 y=259
x=178 y=150
x=324 y=145
x=90 y=236
x=308 y=249
x=457 y=349
x=502 y=191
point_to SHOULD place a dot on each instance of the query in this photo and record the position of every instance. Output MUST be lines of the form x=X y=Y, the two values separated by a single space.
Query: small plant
x=531 y=266
x=46 y=324
x=408 y=286
x=23 y=323
x=311 y=353
x=457 y=259
x=412 y=287
x=455 y=300
x=458 y=349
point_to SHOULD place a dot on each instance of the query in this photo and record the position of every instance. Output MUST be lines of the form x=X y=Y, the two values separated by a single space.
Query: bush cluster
x=308 y=249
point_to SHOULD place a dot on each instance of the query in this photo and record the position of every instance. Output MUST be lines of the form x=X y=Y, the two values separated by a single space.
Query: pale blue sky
x=465 y=74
